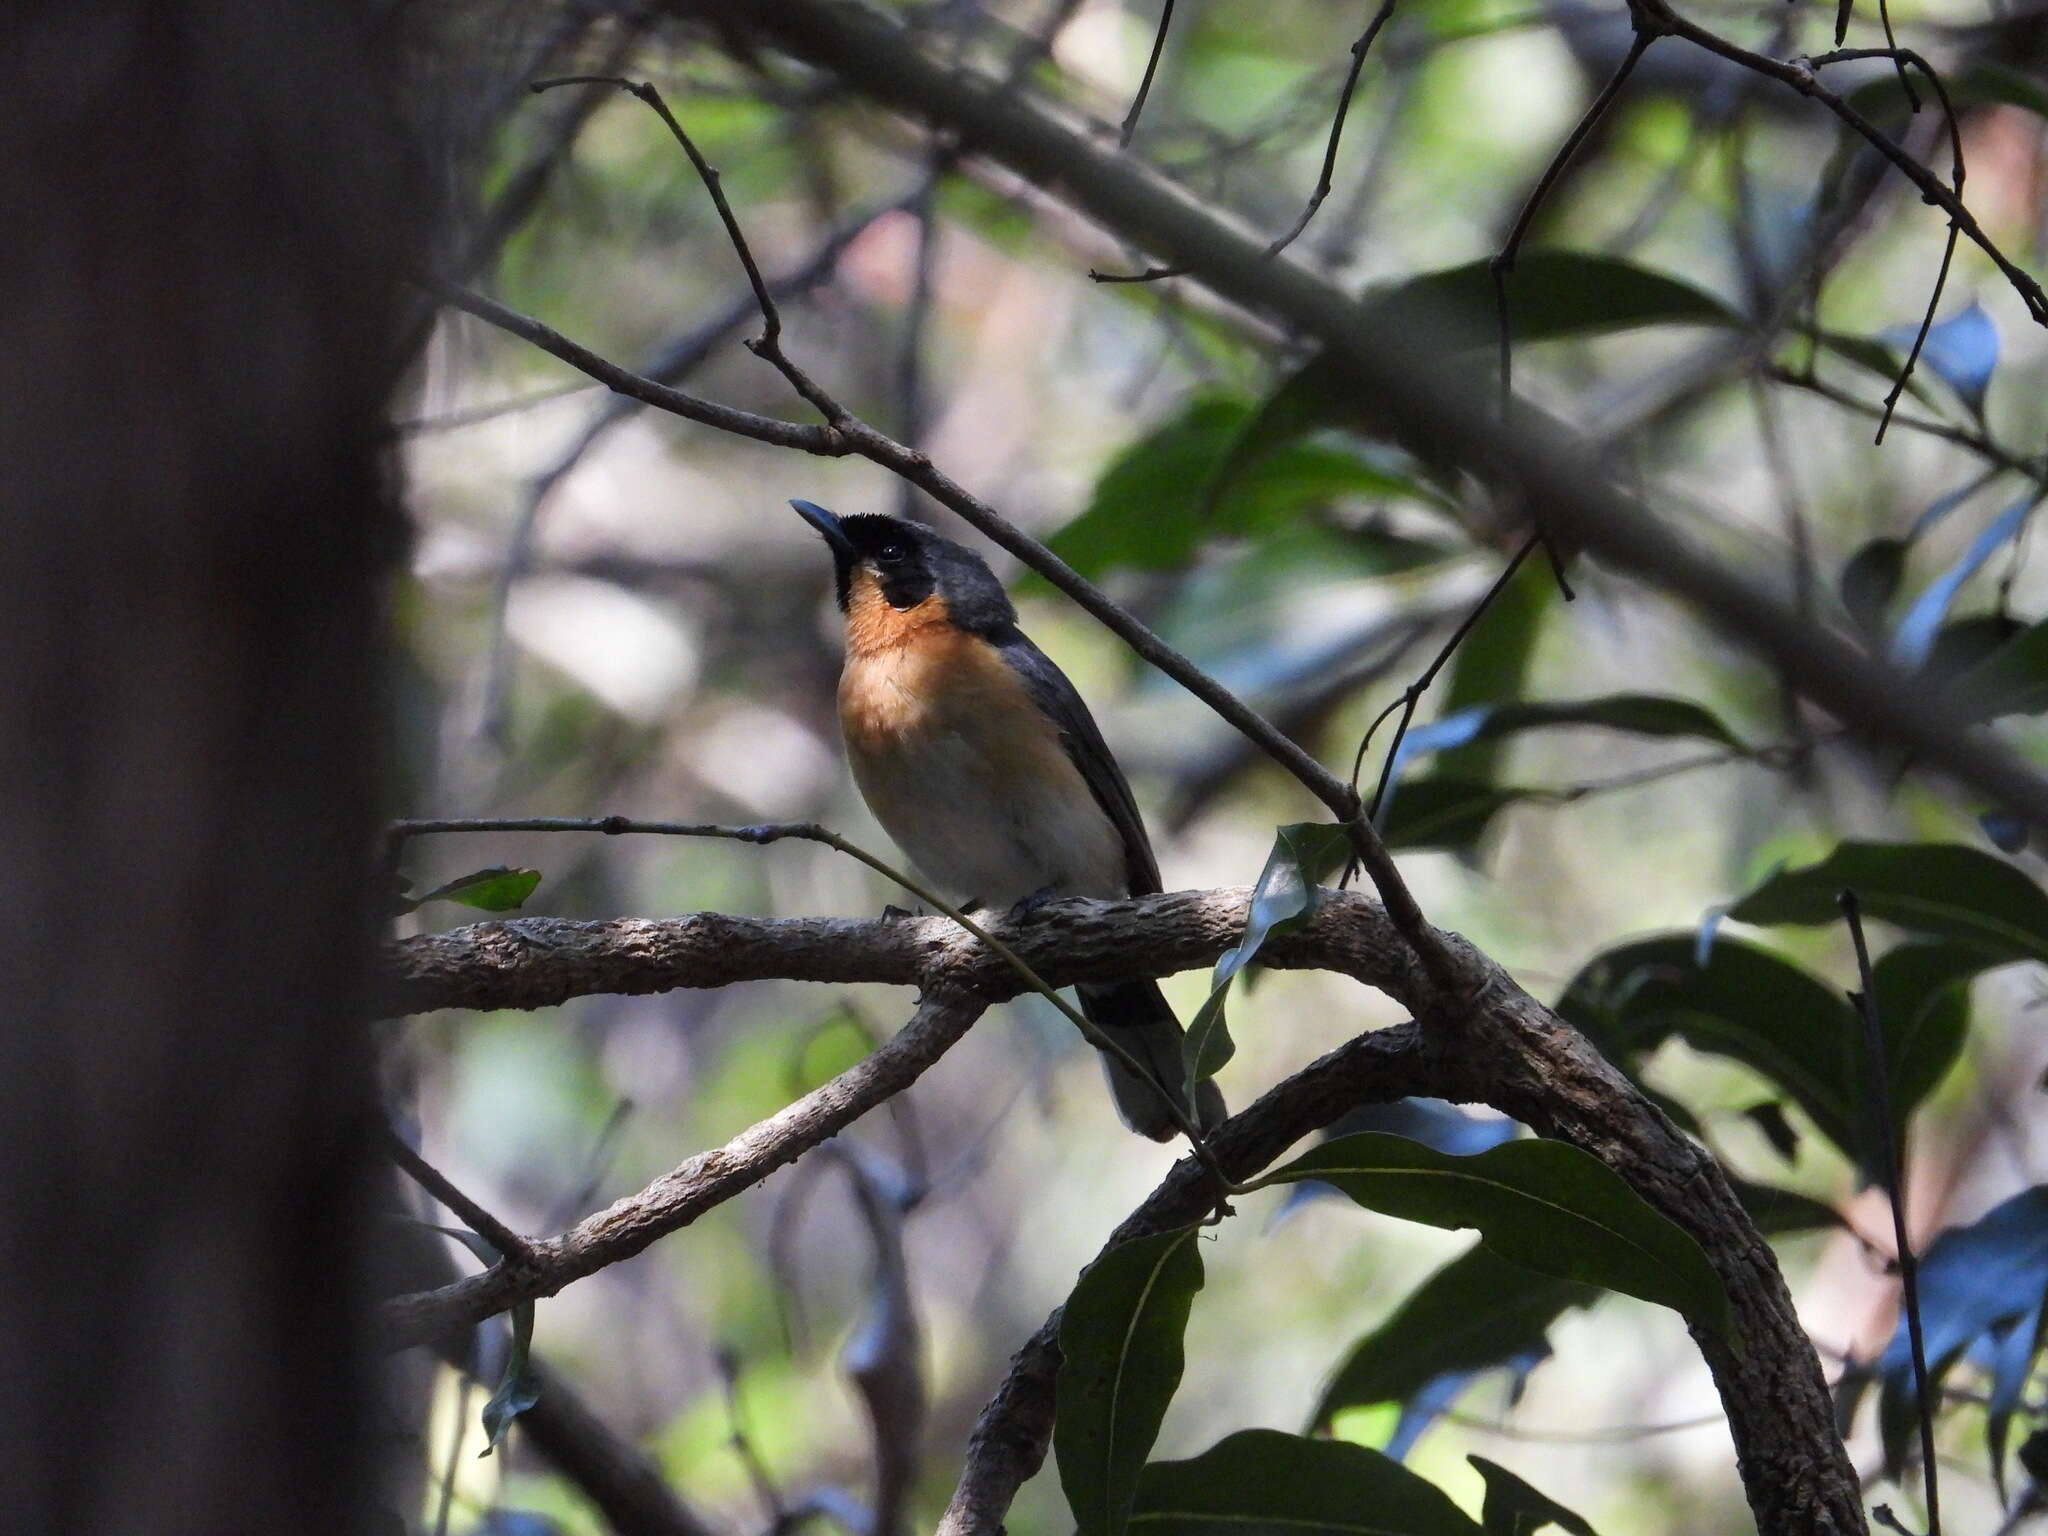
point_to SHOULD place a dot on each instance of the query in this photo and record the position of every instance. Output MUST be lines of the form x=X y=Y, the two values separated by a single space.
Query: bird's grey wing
x=1088 y=752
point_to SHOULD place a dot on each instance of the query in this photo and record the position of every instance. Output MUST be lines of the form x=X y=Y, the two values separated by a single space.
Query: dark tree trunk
x=204 y=206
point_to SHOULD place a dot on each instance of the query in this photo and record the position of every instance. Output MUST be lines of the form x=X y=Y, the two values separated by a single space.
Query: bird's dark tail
x=1137 y=1015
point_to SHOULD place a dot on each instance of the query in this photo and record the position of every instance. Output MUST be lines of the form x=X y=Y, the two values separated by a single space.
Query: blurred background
x=611 y=611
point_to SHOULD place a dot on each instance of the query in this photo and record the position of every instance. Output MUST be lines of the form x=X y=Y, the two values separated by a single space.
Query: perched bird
x=978 y=757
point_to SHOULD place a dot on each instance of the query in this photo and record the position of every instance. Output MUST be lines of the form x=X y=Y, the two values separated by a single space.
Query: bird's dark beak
x=826 y=524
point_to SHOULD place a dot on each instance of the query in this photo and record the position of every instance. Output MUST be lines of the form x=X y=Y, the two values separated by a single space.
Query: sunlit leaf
x=1121 y=1359
x=1541 y=1204
x=1304 y=854
x=1947 y=890
x=1914 y=639
x=500 y=888
x=1260 y=1482
x=1514 y=1508
x=1962 y=351
x=1476 y=1313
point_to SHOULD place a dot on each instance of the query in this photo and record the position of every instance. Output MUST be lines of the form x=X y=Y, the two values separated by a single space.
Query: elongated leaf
x=2014 y=1348
x=1962 y=351
x=1476 y=1313
x=1260 y=1482
x=1148 y=510
x=1782 y=1021
x=1492 y=664
x=1554 y=294
x=1639 y=714
x=500 y=888
x=2012 y=680
x=1949 y=890
x=1779 y=1212
x=518 y=1386
x=1120 y=1348
x=1974 y=1279
x=1515 y=1508
x=1914 y=640
x=1541 y=1204
x=1443 y=811
x=1304 y=854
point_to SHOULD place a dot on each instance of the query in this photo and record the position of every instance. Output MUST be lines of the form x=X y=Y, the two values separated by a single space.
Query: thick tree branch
x=1490 y=1043
x=536 y=962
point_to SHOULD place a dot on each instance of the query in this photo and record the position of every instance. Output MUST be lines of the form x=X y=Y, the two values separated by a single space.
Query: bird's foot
x=1033 y=902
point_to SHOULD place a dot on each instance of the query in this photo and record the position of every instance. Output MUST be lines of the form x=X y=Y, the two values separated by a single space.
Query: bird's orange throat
x=873 y=626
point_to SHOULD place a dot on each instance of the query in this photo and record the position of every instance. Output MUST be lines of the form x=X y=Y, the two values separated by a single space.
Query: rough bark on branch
x=1490 y=1043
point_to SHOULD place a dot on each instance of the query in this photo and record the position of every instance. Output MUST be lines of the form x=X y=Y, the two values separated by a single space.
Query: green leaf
x=519 y=1388
x=500 y=888
x=1441 y=811
x=1551 y=294
x=1148 y=510
x=1541 y=1204
x=1492 y=664
x=1304 y=855
x=1477 y=1312
x=1514 y=1508
x=1260 y=1482
x=1767 y=1013
x=1949 y=890
x=1639 y=714
x=2011 y=680
x=1870 y=581
x=1120 y=1348
x=519 y=1384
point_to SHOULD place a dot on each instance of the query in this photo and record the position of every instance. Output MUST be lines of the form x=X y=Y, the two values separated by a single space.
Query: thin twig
x=1901 y=57
x=766 y=833
x=1412 y=694
x=1894 y=1174
x=1326 y=179
x=512 y=1248
x=1799 y=75
x=853 y=436
x=1130 y=122
x=768 y=346
x=1502 y=265
x=457 y=1434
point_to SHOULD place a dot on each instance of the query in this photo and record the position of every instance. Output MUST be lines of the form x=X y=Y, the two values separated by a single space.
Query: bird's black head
x=904 y=565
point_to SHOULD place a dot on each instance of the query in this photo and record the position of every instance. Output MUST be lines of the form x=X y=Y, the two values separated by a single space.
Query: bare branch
x=1130 y=122
x=707 y=1180
x=1328 y=175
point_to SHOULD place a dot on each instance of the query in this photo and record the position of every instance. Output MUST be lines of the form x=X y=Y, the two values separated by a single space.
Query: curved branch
x=1487 y=1042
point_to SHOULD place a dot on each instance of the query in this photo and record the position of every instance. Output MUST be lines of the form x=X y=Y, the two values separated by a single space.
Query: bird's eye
x=891 y=553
